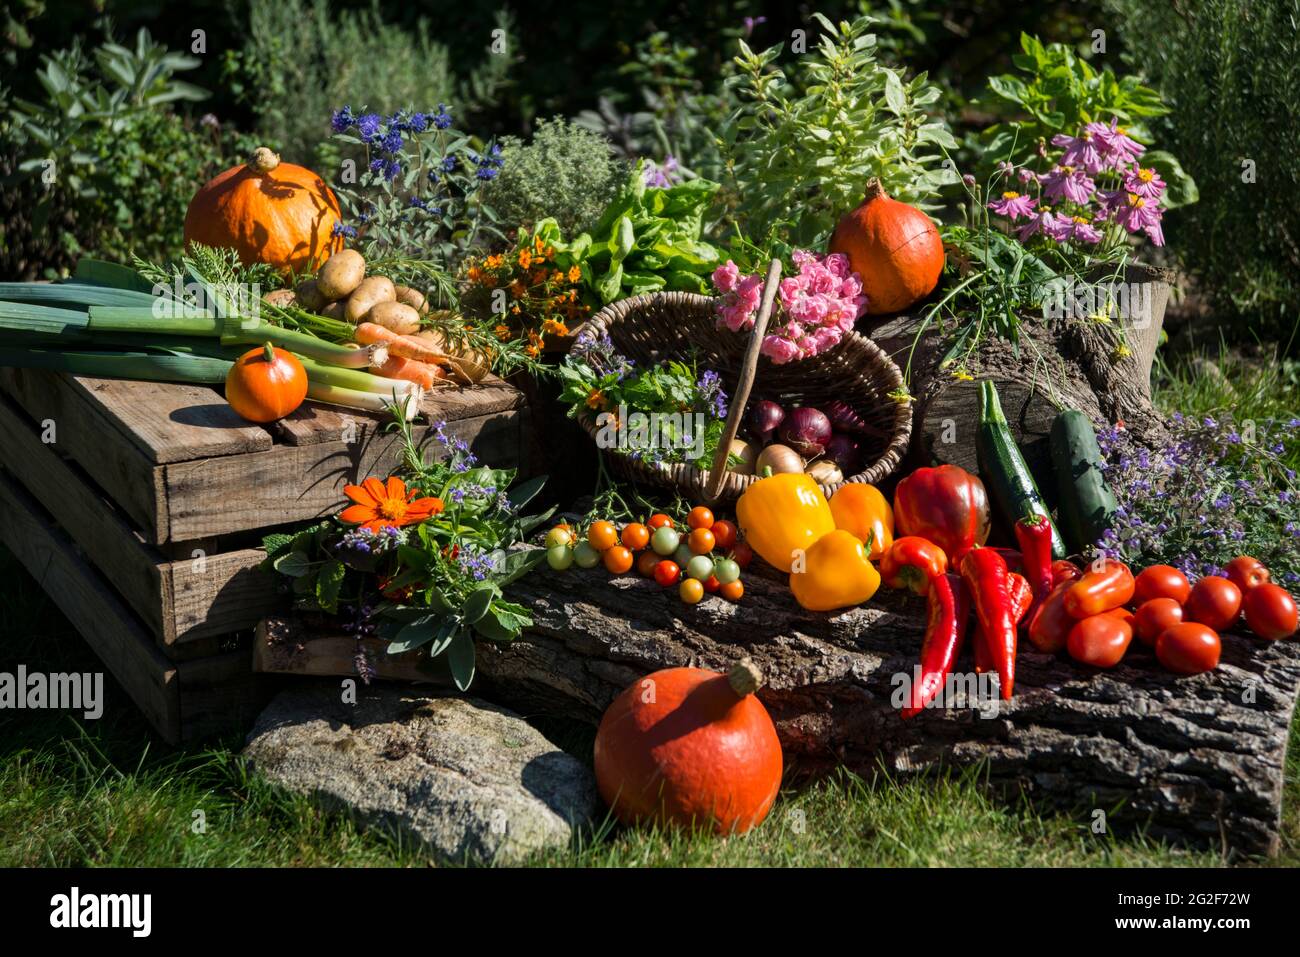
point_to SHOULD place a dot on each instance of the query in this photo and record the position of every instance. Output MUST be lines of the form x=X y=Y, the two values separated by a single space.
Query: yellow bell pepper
x=835 y=574
x=861 y=510
x=783 y=515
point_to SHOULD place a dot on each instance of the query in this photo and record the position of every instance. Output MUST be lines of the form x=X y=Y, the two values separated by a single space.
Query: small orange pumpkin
x=266 y=384
x=691 y=747
x=268 y=211
x=894 y=247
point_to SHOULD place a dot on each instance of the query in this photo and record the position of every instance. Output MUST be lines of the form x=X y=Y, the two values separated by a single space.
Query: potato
x=341 y=274
x=396 y=317
x=372 y=291
x=333 y=310
x=284 y=298
x=413 y=298
x=308 y=295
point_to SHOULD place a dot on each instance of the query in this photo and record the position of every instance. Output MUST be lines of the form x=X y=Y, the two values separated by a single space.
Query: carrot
x=422 y=374
x=369 y=334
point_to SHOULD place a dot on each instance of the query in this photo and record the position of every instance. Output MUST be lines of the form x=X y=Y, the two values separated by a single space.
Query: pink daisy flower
x=1080 y=230
x=1068 y=183
x=1145 y=182
x=1135 y=213
x=1118 y=148
x=1013 y=205
x=1043 y=221
x=1083 y=150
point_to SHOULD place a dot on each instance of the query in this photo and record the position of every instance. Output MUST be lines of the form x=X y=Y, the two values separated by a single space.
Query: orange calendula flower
x=502 y=331
x=555 y=327
x=595 y=399
x=494 y=261
x=377 y=504
x=475 y=274
x=574 y=274
x=525 y=258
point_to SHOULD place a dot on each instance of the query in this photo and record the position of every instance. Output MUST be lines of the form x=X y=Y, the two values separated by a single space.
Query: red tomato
x=617 y=560
x=724 y=533
x=701 y=541
x=733 y=590
x=700 y=517
x=1271 y=612
x=1156 y=616
x=1215 y=602
x=743 y=554
x=635 y=536
x=667 y=573
x=646 y=562
x=1247 y=573
x=659 y=520
x=711 y=584
x=1189 y=648
x=1161 y=581
x=1099 y=641
x=1124 y=615
x=602 y=535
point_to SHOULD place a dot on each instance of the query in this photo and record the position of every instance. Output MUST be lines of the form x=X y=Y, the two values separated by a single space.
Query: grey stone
x=468 y=780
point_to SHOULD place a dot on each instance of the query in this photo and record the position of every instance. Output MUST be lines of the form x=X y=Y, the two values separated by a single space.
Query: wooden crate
x=153 y=499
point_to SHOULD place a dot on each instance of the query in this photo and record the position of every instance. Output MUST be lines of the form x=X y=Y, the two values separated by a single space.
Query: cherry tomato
x=733 y=590
x=559 y=535
x=1099 y=641
x=1247 y=573
x=1189 y=648
x=646 y=562
x=700 y=566
x=1214 y=602
x=635 y=536
x=1161 y=581
x=667 y=573
x=691 y=590
x=700 y=517
x=724 y=533
x=585 y=555
x=701 y=541
x=726 y=570
x=617 y=560
x=602 y=535
x=711 y=584
x=743 y=554
x=1154 y=617
x=1271 y=612
x=559 y=557
x=660 y=520
x=665 y=540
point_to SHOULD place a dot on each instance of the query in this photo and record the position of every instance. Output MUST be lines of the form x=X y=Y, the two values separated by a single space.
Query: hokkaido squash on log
x=691 y=747
x=894 y=247
x=267 y=211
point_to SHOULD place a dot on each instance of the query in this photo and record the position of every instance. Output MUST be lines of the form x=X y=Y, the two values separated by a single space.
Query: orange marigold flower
x=574 y=274
x=533 y=351
x=525 y=259
x=517 y=289
x=502 y=331
x=376 y=504
x=555 y=327
x=557 y=276
x=595 y=399
x=494 y=261
x=475 y=274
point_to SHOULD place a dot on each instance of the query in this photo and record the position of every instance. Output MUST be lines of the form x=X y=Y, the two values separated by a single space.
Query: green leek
x=152 y=366
x=356 y=379
x=364 y=401
x=72 y=293
x=165 y=316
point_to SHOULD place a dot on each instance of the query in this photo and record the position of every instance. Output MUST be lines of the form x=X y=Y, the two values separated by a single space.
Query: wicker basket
x=670 y=325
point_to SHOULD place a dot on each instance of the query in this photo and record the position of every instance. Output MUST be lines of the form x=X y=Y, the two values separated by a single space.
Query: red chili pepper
x=947 y=608
x=911 y=562
x=1022 y=600
x=1100 y=590
x=1064 y=570
x=985 y=572
x=1034 y=534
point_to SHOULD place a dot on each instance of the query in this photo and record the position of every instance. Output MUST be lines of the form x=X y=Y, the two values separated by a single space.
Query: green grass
x=75 y=792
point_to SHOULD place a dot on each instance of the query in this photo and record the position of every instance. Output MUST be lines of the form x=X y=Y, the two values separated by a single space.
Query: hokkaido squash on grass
x=690 y=747
x=266 y=384
x=267 y=211
x=894 y=247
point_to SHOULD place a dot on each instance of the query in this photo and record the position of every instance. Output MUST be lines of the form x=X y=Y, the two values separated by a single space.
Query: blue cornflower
x=392 y=141
x=418 y=123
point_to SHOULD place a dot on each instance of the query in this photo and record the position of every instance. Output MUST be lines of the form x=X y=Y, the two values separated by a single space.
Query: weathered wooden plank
x=172 y=422
x=220 y=694
x=217 y=594
x=315 y=424
x=93 y=609
x=277 y=650
x=75 y=420
x=292 y=483
x=90 y=520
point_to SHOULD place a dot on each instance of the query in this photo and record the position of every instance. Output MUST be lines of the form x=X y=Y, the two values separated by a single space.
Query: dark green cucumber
x=1087 y=503
x=1003 y=468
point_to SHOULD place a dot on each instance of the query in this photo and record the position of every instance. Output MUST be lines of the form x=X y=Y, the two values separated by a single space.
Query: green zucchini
x=1004 y=470
x=1087 y=503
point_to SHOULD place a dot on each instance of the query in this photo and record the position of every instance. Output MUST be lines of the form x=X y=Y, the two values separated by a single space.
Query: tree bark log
x=1196 y=760
x=1063 y=362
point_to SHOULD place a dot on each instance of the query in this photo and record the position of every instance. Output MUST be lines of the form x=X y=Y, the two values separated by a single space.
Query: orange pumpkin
x=266 y=384
x=690 y=747
x=894 y=247
x=268 y=211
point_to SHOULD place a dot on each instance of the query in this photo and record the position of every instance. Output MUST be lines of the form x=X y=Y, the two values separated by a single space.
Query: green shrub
x=565 y=172
x=1230 y=70
x=301 y=61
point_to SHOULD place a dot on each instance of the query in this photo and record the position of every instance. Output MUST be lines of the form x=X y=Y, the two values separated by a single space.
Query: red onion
x=806 y=431
x=845 y=418
x=764 y=419
x=846 y=452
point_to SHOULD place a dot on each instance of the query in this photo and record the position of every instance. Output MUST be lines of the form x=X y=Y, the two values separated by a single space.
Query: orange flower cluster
x=544 y=298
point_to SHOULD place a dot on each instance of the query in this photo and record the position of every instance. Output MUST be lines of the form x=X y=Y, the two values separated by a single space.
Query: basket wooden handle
x=718 y=474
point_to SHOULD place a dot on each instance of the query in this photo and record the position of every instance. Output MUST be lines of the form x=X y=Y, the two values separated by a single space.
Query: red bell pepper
x=911 y=562
x=1034 y=534
x=1022 y=599
x=946 y=505
x=1100 y=589
x=985 y=573
x=1050 y=624
x=1064 y=570
x=947 y=608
